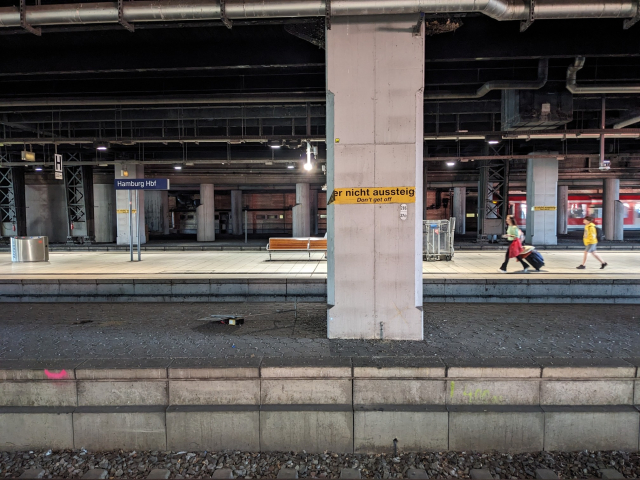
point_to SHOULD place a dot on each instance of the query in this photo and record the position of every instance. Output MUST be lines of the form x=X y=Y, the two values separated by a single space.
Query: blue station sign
x=142 y=184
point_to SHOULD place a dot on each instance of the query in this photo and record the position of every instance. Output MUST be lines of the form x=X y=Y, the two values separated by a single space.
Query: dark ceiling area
x=210 y=97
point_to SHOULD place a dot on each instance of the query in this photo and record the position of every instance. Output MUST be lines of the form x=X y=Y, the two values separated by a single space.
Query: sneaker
x=502 y=271
x=581 y=267
x=526 y=270
x=603 y=265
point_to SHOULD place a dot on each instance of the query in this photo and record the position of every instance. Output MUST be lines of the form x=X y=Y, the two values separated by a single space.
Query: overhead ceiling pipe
x=572 y=80
x=635 y=118
x=543 y=74
x=302 y=97
x=193 y=10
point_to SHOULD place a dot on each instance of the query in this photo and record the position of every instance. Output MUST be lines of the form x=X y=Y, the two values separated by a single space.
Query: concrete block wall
x=338 y=404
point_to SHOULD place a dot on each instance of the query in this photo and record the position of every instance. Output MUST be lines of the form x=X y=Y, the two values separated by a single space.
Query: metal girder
x=121 y=19
x=223 y=15
x=493 y=199
x=7 y=203
x=12 y=204
x=633 y=20
x=79 y=195
x=23 y=20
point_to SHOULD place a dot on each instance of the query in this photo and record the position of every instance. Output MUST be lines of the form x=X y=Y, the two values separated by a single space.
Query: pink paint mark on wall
x=55 y=376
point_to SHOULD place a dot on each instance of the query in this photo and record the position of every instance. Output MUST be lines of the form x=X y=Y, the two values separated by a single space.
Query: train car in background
x=581 y=205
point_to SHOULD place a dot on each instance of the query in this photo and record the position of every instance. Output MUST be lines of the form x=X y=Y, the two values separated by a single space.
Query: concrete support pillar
x=237 y=219
x=104 y=208
x=610 y=196
x=563 y=209
x=313 y=204
x=46 y=207
x=542 y=201
x=206 y=214
x=156 y=211
x=618 y=234
x=302 y=212
x=166 y=220
x=460 y=209
x=375 y=78
x=122 y=205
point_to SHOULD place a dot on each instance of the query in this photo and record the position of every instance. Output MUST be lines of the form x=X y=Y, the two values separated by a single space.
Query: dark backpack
x=599 y=234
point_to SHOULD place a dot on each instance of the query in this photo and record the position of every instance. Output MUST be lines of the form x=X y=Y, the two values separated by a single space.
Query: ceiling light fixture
x=101 y=146
x=290 y=166
x=274 y=143
x=493 y=139
x=451 y=164
x=177 y=166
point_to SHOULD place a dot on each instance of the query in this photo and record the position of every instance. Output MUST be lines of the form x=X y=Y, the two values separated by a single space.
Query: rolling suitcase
x=535 y=259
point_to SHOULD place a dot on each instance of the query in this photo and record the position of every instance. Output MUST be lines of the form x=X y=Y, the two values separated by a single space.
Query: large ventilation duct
x=543 y=73
x=188 y=10
x=572 y=86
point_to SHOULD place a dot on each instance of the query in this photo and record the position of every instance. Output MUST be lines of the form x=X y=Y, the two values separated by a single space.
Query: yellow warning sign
x=373 y=195
x=125 y=211
x=549 y=209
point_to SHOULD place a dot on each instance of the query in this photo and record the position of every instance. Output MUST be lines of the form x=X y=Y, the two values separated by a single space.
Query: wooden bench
x=309 y=245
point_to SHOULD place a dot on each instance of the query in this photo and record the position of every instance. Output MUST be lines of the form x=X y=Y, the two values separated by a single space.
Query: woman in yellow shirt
x=590 y=240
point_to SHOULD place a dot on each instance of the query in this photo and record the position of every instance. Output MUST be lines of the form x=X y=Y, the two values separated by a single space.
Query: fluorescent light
x=493 y=139
x=290 y=166
x=177 y=167
x=102 y=148
x=308 y=166
x=38 y=169
x=274 y=143
x=451 y=164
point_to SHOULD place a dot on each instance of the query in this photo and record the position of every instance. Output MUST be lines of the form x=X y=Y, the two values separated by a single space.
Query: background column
x=542 y=191
x=610 y=195
x=375 y=79
x=122 y=205
x=460 y=209
x=237 y=219
x=563 y=209
x=104 y=207
x=313 y=205
x=206 y=214
x=302 y=212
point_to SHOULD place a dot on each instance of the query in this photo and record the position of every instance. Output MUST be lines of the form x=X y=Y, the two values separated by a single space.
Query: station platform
x=472 y=276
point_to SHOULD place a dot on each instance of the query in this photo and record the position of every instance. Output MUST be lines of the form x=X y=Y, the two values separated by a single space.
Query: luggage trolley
x=437 y=239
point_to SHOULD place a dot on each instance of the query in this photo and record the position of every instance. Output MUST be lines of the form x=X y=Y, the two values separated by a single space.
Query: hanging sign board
x=544 y=209
x=142 y=184
x=57 y=158
x=126 y=211
x=372 y=195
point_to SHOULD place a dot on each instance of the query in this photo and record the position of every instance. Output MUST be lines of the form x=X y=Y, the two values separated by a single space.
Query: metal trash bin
x=29 y=249
x=437 y=239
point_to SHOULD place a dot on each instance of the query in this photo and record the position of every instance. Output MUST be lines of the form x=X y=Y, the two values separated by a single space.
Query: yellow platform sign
x=548 y=209
x=125 y=211
x=372 y=195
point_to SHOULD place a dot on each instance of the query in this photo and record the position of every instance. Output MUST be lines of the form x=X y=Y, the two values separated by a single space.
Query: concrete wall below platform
x=435 y=290
x=321 y=404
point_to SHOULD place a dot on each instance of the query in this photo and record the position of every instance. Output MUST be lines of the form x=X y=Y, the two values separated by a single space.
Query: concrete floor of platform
x=156 y=265
x=475 y=331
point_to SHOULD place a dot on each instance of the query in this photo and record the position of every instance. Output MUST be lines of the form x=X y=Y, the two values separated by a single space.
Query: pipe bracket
x=327 y=13
x=417 y=28
x=524 y=24
x=630 y=22
x=121 y=19
x=23 y=20
x=223 y=15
